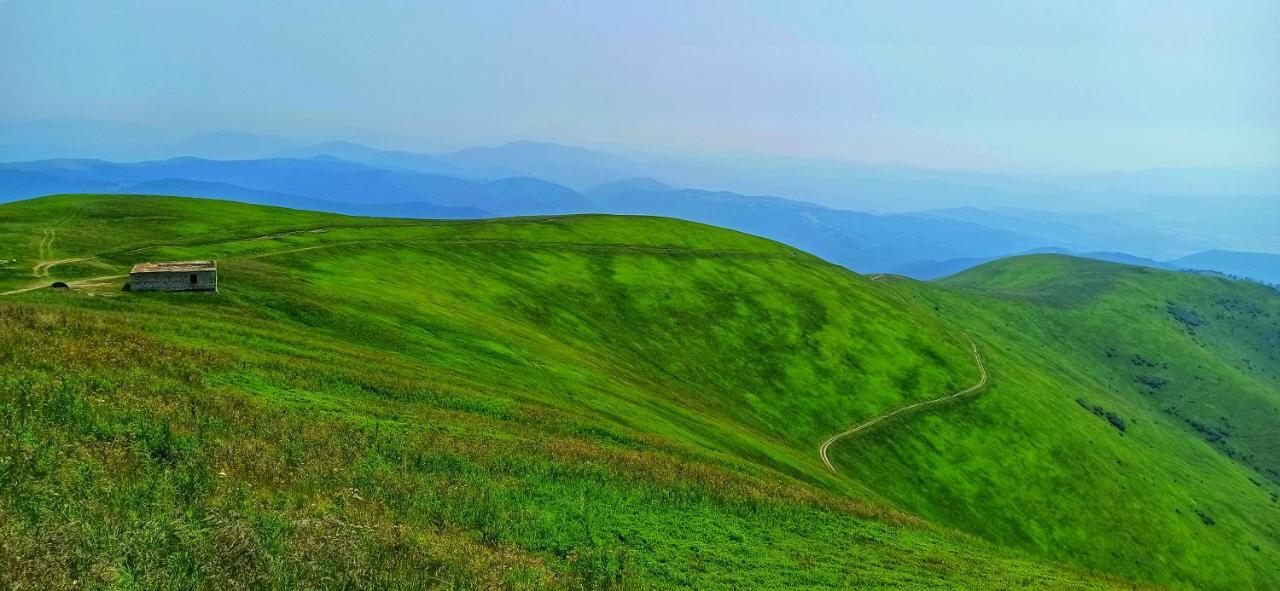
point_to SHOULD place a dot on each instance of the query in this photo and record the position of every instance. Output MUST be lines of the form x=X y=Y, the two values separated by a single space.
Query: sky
x=987 y=85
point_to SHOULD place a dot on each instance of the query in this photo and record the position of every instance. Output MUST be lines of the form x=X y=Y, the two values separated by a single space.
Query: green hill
x=1132 y=424
x=610 y=402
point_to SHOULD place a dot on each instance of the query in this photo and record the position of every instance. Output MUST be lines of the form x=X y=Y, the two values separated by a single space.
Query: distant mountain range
x=305 y=184
x=857 y=240
x=529 y=178
x=1130 y=232
x=835 y=183
x=1253 y=265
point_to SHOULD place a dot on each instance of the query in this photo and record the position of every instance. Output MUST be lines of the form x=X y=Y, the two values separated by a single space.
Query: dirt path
x=42 y=268
x=95 y=282
x=982 y=381
x=44 y=255
x=44 y=238
x=43 y=249
x=880 y=277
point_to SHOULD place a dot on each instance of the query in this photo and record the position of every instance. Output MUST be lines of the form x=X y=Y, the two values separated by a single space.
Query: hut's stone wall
x=174 y=281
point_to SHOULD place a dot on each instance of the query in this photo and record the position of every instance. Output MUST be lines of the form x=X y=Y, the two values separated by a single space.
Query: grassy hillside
x=1131 y=425
x=607 y=402
x=565 y=403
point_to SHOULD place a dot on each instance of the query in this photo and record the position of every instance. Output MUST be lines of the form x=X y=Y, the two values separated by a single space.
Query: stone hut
x=174 y=276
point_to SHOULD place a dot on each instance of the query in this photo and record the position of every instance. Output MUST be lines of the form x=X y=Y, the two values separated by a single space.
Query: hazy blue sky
x=1021 y=85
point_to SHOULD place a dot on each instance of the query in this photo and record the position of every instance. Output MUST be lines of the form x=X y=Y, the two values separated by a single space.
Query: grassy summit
x=603 y=402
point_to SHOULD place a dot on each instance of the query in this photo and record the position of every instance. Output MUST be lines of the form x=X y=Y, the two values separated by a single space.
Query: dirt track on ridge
x=982 y=381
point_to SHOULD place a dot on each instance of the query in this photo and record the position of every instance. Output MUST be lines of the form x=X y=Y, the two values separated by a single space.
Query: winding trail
x=78 y=283
x=982 y=381
x=46 y=242
x=879 y=278
x=44 y=252
x=42 y=268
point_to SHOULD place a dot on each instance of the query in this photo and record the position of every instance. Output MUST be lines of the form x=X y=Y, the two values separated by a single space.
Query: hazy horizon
x=1093 y=87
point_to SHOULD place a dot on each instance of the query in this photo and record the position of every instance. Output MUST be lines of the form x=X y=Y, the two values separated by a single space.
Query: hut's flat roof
x=175 y=267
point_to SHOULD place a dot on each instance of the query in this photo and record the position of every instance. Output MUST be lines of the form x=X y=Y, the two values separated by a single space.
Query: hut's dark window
x=193 y=279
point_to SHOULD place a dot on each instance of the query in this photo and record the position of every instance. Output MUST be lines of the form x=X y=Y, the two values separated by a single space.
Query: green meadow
x=608 y=402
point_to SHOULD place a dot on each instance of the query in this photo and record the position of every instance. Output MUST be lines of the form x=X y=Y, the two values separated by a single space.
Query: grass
x=1098 y=388
x=594 y=402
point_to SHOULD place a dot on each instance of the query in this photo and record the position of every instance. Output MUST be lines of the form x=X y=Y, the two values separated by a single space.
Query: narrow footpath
x=982 y=381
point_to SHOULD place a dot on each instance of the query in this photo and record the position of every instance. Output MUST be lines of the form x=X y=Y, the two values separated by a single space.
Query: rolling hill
x=611 y=402
x=347 y=178
x=572 y=166
x=1254 y=265
x=1128 y=404
x=940 y=269
x=377 y=158
x=1130 y=232
x=859 y=241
